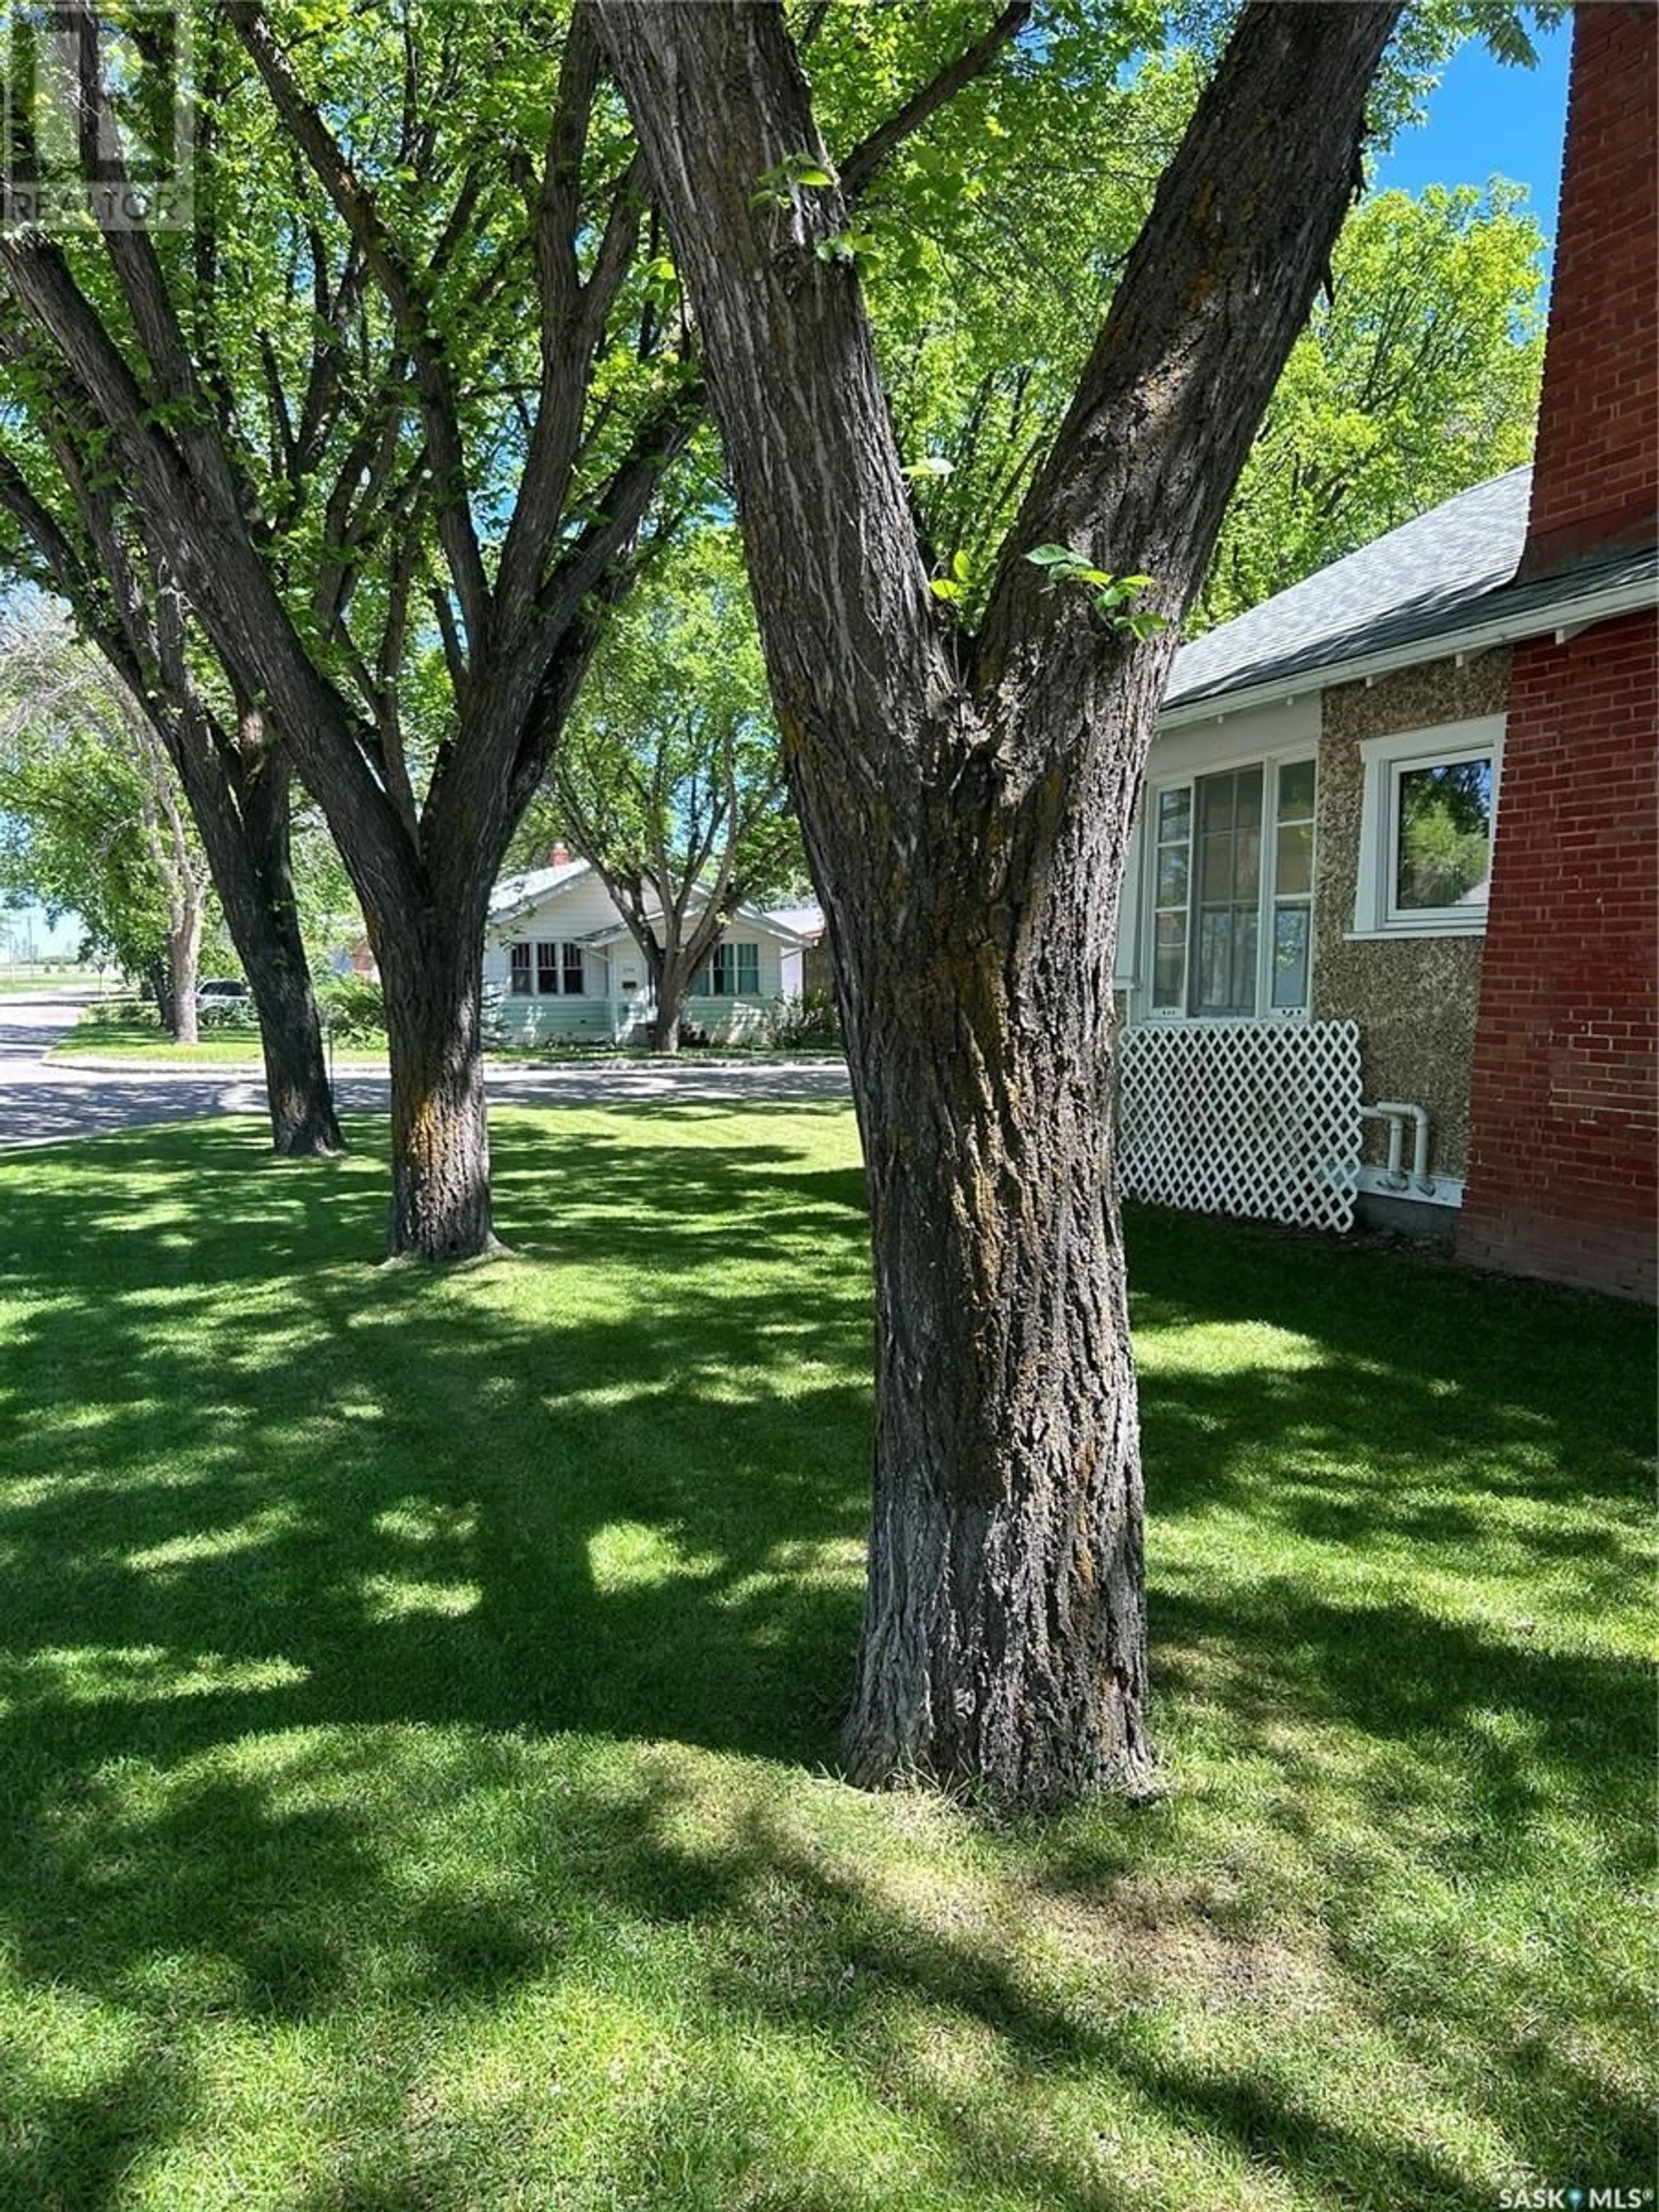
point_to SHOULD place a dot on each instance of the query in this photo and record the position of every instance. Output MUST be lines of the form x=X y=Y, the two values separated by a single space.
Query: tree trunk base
x=493 y=1250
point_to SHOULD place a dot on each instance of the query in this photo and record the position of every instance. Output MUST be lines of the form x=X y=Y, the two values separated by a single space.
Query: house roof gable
x=1420 y=591
x=1418 y=579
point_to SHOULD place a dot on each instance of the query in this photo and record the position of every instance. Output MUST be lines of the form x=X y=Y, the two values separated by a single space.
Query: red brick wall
x=1561 y=1177
x=1595 y=479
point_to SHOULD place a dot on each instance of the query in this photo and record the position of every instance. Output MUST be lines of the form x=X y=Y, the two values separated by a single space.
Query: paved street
x=42 y=1101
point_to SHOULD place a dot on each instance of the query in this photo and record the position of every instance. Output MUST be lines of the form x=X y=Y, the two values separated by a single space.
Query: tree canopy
x=670 y=776
x=1418 y=376
x=92 y=820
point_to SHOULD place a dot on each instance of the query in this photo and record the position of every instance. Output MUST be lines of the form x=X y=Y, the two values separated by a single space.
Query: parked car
x=224 y=1002
x=220 y=991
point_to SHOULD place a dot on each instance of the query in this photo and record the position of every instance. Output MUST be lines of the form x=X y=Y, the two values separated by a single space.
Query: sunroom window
x=1232 y=891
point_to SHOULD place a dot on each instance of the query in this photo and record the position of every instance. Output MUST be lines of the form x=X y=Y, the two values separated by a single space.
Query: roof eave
x=1632 y=597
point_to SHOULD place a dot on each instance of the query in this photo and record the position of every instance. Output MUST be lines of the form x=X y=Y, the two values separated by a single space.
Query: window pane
x=1171 y=875
x=1294 y=876
x=1445 y=835
x=547 y=969
x=1215 y=959
x=1296 y=792
x=1247 y=864
x=1216 y=883
x=575 y=975
x=1228 y=816
x=1174 y=814
x=1291 y=955
x=1243 y=1001
x=1215 y=806
x=1169 y=961
x=518 y=959
x=749 y=970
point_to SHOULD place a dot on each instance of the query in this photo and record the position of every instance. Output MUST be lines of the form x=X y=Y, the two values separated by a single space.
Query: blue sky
x=1487 y=120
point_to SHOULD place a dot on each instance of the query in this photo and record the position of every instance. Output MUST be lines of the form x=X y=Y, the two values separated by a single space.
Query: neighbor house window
x=731 y=971
x=1428 y=811
x=1232 y=891
x=546 y=971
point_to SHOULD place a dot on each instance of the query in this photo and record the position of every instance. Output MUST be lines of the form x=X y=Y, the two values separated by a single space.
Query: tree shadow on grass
x=344 y=1609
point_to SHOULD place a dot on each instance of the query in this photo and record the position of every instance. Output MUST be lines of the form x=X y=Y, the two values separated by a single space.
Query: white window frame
x=1271 y=761
x=724 y=951
x=1384 y=761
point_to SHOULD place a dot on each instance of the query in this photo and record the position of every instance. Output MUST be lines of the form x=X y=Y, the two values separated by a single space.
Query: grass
x=55 y=979
x=127 y=1032
x=420 y=1698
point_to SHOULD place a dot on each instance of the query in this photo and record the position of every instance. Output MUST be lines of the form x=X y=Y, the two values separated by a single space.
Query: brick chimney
x=1595 y=479
x=558 y=855
x=1561 y=1179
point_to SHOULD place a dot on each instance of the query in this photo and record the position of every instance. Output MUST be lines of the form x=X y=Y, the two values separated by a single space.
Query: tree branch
x=871 y=152
x=305 y=124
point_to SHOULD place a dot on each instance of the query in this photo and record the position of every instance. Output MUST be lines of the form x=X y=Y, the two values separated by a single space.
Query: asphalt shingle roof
x=1445 y=571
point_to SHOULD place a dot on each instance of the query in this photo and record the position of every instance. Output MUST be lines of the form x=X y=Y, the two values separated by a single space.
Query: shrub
x=811 y=1019
x=352 y=1010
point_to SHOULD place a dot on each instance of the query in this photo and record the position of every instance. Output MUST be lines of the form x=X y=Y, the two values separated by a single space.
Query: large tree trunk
x=1004 y=1635
x=431 y=972
x=966 y=801
x=251 y=851
x=669 y=979
x=159 y=972
x=184 y=971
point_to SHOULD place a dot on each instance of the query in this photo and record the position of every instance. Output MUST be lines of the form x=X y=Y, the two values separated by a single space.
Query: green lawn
x=130 y=1033
x=418 y=1792
x=58 y=979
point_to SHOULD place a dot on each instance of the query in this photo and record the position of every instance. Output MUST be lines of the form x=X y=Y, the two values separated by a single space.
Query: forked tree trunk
x=966 y=801
x=431 y=973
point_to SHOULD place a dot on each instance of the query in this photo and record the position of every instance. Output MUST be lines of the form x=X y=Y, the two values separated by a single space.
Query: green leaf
x=1048 y=557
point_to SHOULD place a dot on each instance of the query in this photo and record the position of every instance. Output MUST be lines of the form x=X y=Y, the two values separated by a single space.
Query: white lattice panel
x=1256 y=1119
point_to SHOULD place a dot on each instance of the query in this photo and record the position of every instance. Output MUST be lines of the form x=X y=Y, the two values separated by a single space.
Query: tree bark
x=1005 y=1630
x=184 y=971
x=431 y=973
x=254 y=877
x=160 y=983
x=966 y=802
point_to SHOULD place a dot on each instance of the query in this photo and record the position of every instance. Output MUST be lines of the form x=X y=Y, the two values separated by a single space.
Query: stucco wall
x=1415 y=999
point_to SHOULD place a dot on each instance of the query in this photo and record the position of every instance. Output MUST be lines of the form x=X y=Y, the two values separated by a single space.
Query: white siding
x=577 y=910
